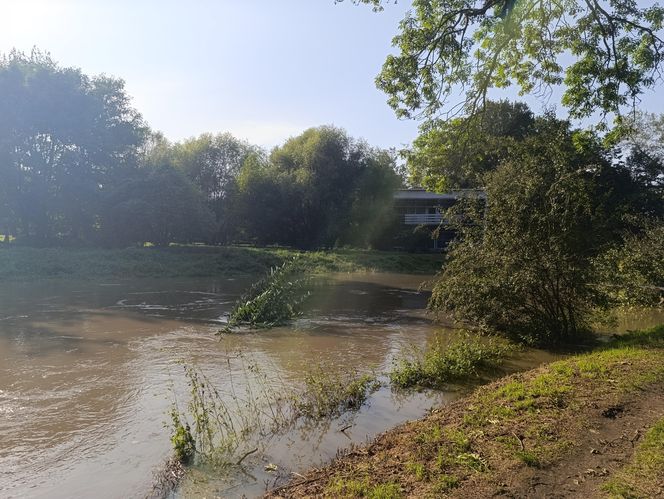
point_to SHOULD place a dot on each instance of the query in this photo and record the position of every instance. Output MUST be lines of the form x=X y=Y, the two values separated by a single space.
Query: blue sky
x=263 y=70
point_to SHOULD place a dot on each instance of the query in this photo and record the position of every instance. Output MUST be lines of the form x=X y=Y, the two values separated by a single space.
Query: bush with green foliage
x=275 y=299
x=523 y=264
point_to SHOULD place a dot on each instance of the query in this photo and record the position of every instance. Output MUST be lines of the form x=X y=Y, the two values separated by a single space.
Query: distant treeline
x=79 y=166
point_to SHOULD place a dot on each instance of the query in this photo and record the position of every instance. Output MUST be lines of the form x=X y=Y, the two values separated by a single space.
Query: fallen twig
x=245 y=455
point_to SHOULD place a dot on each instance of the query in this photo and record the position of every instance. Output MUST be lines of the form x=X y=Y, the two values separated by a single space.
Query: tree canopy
x=457 y=153
x=64 y=138
x=557 y=202
x=320 y=188
x=78 y=166
x=605 y=53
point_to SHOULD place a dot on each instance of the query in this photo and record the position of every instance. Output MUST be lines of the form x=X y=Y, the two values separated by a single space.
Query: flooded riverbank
x=88 y=372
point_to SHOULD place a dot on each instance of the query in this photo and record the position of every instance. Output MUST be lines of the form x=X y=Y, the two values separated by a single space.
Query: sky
x=264 y=70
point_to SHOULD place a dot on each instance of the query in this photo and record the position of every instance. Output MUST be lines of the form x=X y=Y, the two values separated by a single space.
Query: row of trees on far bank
x=79 y=166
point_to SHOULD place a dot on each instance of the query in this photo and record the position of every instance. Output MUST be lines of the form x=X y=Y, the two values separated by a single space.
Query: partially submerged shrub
x=523 y=264
x=184 y=444
x=442 y=363
x=275 y=299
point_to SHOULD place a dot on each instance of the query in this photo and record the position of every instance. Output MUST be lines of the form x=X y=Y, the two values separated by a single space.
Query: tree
x=459 y=152
x=524 y=264
x=156 y=204
x=644 y=144
x=646 y=132
x=614 y=47
x=319 y=189
x=633 y=273
x=212 y=163
x=372 y=212
x=64 y=139
x=267 y=202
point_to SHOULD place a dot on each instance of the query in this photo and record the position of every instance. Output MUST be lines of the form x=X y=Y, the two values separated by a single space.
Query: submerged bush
x=443 y=363
x=275 y=299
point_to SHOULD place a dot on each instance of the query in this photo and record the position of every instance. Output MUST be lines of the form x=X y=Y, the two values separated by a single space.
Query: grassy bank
x=20 y=263
x=570 y=427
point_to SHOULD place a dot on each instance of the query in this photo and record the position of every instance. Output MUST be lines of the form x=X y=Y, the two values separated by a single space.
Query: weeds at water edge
x=222 y=429
x=443 y=363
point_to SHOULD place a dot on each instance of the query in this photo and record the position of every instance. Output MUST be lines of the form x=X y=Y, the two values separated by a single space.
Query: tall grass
x=443 y=363
x=215 y=428
x=223 y=429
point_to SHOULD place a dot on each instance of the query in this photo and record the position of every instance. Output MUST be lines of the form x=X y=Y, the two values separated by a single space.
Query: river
x=90 y=370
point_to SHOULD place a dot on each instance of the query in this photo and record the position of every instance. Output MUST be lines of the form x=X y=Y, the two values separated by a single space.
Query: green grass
x=443 y=363
x=23 y=263
x=328 y=393
x=358 y=488
x=643 y=476
x=529 y=458
x=527 y=420
x=419 y=470
x=445 y=483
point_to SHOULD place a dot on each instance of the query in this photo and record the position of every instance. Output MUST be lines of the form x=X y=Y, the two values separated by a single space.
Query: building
x=422 y=212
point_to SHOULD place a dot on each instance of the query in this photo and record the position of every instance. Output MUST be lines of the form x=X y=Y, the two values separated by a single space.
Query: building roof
x=426 y=195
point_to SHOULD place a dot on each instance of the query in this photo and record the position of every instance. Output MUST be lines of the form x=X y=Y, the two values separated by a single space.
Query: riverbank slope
x=591 y=425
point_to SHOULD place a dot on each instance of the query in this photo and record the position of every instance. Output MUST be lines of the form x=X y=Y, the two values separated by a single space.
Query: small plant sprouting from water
x=275 y=299
x=184 y=444
x=443 y=363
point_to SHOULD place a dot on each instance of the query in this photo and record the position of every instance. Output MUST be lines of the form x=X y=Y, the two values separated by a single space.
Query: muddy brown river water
x=89 y=371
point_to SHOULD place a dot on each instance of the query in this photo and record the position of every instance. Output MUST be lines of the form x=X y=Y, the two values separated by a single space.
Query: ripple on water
x=88 y=373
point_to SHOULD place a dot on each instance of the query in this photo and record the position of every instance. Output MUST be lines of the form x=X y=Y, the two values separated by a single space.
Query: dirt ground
x=606 y=445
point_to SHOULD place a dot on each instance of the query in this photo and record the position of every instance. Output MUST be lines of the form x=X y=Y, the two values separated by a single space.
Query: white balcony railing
x=422 y=218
